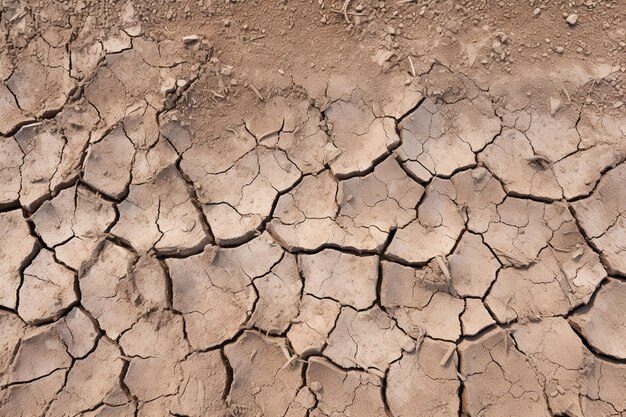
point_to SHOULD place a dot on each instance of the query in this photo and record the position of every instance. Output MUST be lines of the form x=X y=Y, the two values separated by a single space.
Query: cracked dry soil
x=312 y=208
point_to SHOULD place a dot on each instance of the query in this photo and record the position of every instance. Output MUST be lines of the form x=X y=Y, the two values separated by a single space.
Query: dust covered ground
x=312 y=208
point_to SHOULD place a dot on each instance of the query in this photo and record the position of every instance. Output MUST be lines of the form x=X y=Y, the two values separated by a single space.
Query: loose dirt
x=312 y=208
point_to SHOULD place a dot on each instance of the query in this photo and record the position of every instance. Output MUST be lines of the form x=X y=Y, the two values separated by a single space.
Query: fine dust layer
x=312 y=208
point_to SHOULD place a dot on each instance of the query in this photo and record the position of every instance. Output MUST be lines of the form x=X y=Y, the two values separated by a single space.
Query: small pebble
x=189 y=39
x=572 y=19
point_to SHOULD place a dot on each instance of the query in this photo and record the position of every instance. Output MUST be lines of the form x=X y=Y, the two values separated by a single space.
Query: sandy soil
x=312 y=208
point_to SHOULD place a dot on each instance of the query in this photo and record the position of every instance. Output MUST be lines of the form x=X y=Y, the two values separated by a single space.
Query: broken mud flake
x=472 y=267
x=512 y=158
x=279 y=296
x=43 y=343
x=265 y=380
x=238 y=200
x=42 y=146
x=419 y=385
x=91 y=381
x=47 y=289
x=499 y=379
x=108 y=291
x=359 y=135
x=366 y=339
x=475 y=317
x=314 y=322
x=296 y=128
x=79 y=332
x=41 y=80
x=340 y=392
x=602 y=216
x=160 y=214
x=345 y=278
x=441 y=138
x=357 y=213
x=11 y=160
x=17 y=248
x=73 y=222
x=107 y=166
x=603 y=317
x=420 y=301
x=522 y=229
x=567 y=272
x=214 y=292
x=13 y=328
x=155 y=355
x=435 y=231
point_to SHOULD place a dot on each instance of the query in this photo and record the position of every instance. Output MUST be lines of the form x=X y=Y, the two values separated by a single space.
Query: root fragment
x=256 y=92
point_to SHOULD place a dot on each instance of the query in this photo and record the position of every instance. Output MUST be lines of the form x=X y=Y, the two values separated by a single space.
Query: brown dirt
x=312 y=208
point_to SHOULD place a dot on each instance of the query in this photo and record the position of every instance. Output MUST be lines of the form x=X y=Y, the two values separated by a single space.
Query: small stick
x=560 y=249
x=255 y=91
x=344 y=9
x=285 y=352
x=578 y=252
x=569 y=100
x=376 y=372
x=412 y=66
x=447 y=356
x=269 y=134
x=444 y=269
x=256 y=38
x=593 y=84
x=290 y=361
x=234 y=131
x=32 y=125
x=507 y=303
x=17 y=16
x=220 y=107
x=349 y=13
x=517 y=260
x=221 y=83
x=212 y=255
x=569 y=285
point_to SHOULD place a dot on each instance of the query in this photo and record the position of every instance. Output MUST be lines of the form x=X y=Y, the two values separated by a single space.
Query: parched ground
x=292 y=208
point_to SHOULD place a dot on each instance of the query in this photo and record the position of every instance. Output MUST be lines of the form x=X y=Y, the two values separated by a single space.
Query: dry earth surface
x=312 y=208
